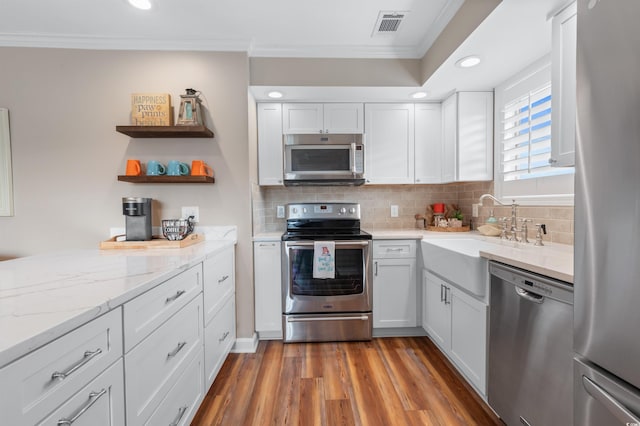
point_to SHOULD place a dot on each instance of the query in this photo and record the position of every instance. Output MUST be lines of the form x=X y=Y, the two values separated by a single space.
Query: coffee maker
x=137 y=212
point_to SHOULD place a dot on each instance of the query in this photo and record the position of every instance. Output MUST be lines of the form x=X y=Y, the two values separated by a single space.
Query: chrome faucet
x=513 y=230
x=483 y=196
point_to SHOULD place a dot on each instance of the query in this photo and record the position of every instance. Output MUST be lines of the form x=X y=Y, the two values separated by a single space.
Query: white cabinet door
x=268 y=289
x=428 y=143
x=270 y=148
x=394 y=293
x=302 y=118
x=389 y=146
x=344 y=118
x=469 y=337
x=218 y=281
x=475 y=136
x=437 y=313
x=219 y=337
x=563 y=82
x=467 y=126
x=449 y=138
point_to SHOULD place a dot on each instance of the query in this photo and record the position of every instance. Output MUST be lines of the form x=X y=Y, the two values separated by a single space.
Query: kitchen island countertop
x=42 y=297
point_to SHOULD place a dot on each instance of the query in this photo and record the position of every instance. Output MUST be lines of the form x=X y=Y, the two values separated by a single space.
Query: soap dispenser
x=491 y=219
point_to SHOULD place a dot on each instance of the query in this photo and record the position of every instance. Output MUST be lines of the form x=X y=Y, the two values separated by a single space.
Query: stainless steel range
x=326 y=308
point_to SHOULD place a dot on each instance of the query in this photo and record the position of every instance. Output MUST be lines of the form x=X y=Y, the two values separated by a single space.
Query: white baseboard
x=270 y=335
x=247 y=345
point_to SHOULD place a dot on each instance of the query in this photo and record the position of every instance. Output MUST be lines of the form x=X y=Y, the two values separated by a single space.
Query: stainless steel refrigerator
x=607 y=213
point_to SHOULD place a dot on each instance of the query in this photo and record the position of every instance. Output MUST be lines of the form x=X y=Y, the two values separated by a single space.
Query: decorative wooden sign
x=151 y=109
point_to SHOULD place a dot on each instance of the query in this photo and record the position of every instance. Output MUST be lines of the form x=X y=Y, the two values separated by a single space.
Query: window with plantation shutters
x=523 y=140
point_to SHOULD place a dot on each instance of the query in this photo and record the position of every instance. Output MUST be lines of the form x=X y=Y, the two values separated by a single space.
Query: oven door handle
x=312 y=319
x=338 y=243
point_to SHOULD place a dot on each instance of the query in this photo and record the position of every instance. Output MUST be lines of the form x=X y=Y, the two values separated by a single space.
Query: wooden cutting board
x=439 y=229
x=156 y=243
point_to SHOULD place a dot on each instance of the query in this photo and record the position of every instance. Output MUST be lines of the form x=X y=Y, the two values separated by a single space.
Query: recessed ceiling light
x=141 y=4
x=419 y=95
x=468 y=62
x=275 y=94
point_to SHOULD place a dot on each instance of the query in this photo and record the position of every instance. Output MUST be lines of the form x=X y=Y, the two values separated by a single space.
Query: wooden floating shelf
x=165 y=131
x=166 y=179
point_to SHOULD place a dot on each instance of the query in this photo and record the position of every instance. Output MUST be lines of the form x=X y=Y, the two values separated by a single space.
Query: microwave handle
x=353 y=158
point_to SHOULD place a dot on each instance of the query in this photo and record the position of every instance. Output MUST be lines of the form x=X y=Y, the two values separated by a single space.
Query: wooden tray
x=156 y=243
x=439 y=229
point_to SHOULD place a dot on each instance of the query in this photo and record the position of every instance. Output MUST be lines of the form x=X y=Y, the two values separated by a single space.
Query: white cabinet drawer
x=36 y=384
x=100 y=403
x=152 y=367
x=219 y=337
x=218 y=281
x=394 y=248
x=148 y=311
x=181 y=403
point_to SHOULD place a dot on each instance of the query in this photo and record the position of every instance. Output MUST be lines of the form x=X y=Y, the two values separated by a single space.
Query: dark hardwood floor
x=387 y=381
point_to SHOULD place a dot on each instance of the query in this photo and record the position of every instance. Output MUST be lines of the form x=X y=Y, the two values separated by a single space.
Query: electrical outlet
x=474 y=208
x=280 y=212
x=191 y=211
x=394 y=211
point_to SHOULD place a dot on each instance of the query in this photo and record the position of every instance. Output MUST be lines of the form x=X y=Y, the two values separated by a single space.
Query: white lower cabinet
x=219 y=336
x=394 y=284
x=152 y=367
x=52 y=376
x=183 y=399
x=457 y=323
x=268 y=289
x=99 y=403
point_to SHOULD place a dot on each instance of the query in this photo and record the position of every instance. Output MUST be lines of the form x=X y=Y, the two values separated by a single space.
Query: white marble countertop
x=552 y=260
x=268 y=236
x=45 y=296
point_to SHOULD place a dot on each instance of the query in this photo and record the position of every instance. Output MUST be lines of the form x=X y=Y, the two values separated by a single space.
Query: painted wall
x=64 y=106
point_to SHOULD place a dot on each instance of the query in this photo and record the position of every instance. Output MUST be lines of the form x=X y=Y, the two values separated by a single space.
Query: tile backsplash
x=376 y=201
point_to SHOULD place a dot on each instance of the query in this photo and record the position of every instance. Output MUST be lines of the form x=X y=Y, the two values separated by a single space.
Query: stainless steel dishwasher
x=530 y=348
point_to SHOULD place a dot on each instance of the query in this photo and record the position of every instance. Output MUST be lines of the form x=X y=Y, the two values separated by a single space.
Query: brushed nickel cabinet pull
x=224 y=336
x=223 y=279
x=176 y=350
x=93 y=397
x=88 y=355
x=175 y=296
x=181 y=412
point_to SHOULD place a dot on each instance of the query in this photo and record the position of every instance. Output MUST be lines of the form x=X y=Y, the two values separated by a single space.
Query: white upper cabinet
x=270 y=149
x=389 y=145
x=306 y=118
x=468 y=137
x=563 y=86
x=428 y=143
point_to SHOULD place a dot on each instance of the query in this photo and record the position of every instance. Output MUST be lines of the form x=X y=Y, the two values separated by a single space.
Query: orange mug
x=133 y=168
x=200 y=168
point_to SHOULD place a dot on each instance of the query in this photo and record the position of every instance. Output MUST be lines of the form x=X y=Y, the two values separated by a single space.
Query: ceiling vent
x=388 y=22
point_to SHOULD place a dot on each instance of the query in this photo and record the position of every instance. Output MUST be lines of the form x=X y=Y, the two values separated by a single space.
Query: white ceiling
x=514 y=35
x=273 y=28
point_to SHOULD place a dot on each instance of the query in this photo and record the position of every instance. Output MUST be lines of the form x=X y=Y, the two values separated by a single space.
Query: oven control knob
x=352 y=210
x=294 y=210
x=343 y=210
x=304 y=210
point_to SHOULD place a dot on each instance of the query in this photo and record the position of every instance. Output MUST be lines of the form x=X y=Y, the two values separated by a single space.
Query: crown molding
x=140 y=43
x=439 y=24
x=120 y=43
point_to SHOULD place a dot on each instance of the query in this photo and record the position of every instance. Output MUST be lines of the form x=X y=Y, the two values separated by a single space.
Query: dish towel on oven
x=324 y=261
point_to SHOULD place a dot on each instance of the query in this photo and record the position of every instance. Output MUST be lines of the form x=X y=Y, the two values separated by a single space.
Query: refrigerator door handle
x=618 y=410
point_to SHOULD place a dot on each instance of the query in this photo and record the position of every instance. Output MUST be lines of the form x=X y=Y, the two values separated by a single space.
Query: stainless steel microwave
x=324 y=159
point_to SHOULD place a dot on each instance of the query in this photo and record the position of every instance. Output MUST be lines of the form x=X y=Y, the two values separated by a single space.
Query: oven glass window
x=319 y=160
x=349 y=277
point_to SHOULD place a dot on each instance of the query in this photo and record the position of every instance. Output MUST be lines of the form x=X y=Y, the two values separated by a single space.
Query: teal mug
x=177 y=168
x=155 y=168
